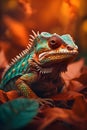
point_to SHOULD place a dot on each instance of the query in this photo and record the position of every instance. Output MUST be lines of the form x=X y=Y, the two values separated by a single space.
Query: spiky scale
x=31 y=40
x=34 y=33
x=32 y=37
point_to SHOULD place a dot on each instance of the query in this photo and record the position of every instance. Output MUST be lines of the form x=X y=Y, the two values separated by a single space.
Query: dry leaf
x=73 y=70
x=75 y=86
x=80 y=107
x=70 y=95
x=57 y=114
x=76 y=117
x=6 y=96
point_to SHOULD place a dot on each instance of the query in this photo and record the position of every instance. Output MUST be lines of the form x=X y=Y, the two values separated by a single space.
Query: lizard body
x=36 y=71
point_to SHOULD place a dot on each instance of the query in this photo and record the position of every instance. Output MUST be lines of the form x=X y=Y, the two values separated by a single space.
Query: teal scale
x=16 y=69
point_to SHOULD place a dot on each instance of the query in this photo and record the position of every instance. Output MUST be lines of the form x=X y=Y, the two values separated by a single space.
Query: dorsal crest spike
x=34 y=33
x=32 y=37
x=24 y=52
x=20 y=55
x=29 y=46
x=38 y=33
x=13 y=60
x=30 y=43
x=17 y=56
x=12 y=63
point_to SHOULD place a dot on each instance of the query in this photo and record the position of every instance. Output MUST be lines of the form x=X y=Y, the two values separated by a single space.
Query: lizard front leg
x=26 y=91
x=23 y=83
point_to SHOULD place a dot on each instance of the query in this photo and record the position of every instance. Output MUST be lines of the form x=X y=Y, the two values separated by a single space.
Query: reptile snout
x=72 y=49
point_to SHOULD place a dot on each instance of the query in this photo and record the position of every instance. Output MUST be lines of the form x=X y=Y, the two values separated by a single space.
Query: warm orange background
x=19 y=17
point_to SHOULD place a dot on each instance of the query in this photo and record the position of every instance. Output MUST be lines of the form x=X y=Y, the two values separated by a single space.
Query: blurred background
x=19 y=17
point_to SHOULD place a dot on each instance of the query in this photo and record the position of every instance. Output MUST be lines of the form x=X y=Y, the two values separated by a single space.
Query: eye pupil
x=52 y=41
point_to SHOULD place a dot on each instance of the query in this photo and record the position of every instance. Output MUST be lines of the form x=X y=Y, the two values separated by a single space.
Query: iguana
x=36 y=71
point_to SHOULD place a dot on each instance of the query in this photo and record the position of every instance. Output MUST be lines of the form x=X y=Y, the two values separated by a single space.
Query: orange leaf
x=70 y=95
x=73 y=70
x=80 y=107
x=6 y=96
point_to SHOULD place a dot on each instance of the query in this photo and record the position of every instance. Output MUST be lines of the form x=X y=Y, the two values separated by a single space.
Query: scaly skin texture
x=36 y=71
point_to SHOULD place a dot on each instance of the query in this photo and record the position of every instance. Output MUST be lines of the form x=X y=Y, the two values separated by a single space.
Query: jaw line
x=53 y=61
x=48 y=67
x=56 y=53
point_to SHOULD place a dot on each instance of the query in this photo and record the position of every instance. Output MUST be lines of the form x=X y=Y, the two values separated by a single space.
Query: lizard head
x=53 y=49
x=52 y=52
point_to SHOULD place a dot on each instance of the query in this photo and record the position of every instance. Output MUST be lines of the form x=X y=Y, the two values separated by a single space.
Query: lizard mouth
x=56 y=56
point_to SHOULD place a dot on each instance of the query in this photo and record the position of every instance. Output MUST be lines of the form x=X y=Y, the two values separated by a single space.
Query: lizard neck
x=50 y=72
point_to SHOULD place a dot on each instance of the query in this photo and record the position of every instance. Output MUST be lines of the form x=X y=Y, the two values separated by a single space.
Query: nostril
x=70 y=48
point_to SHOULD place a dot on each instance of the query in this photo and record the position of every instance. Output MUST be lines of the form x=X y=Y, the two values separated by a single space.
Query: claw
x=45 y=101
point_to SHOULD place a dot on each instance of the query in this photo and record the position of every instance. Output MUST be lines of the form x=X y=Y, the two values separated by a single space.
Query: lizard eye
x=54 y=42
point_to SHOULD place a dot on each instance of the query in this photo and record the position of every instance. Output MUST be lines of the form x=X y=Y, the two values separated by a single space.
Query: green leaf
x=17 y=113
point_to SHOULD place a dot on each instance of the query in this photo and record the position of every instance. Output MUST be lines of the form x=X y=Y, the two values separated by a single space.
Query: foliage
x=17 y=113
